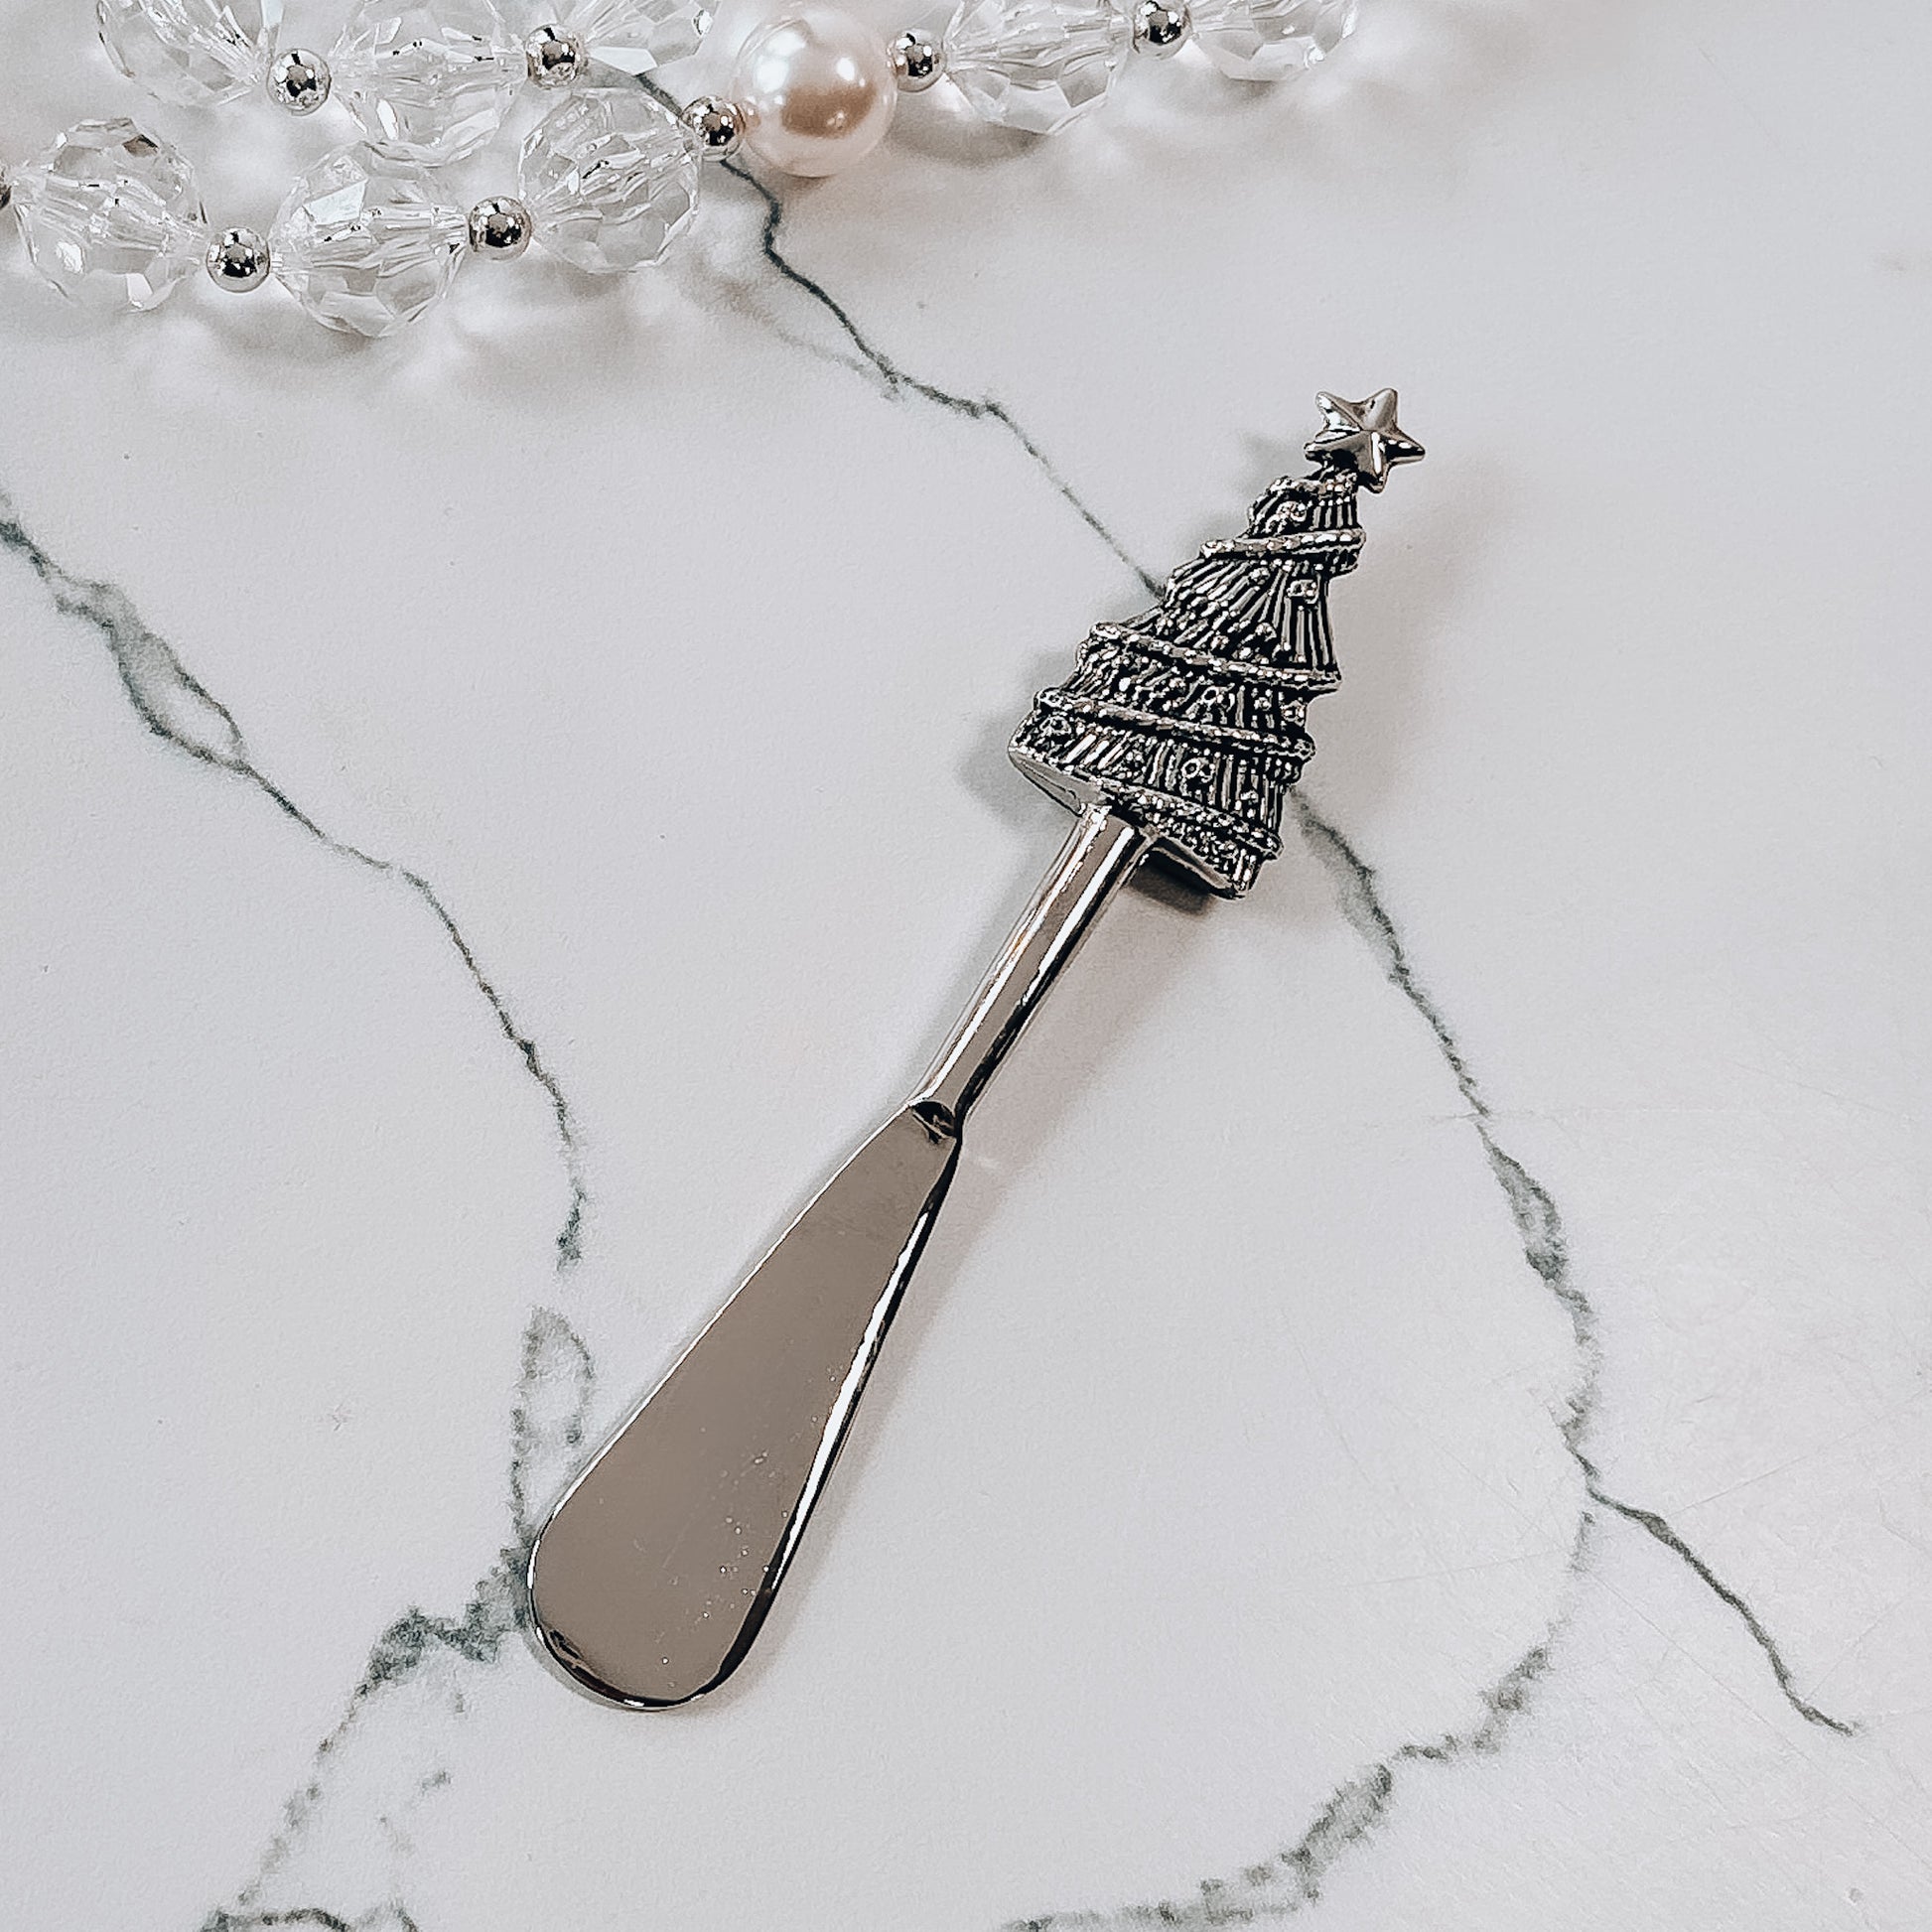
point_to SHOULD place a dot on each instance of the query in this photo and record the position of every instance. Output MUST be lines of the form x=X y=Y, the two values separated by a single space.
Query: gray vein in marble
x=553 y=1396
x=899 y=381
x=556 y=1373
x=385 y=1918
x=178 y=709
x=476 y=1636
x=1292 y=1881
x=555 y=1384
x=1539 y=1224
x=1656 y=1526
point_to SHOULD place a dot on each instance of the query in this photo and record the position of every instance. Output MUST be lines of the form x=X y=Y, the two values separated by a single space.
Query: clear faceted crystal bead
x=192 y=51
x=111 y=216
x=429 y=81
x=635 y=36
x=1267 y=40
x=365 y=249
x=611 y=176
x=1036 y=64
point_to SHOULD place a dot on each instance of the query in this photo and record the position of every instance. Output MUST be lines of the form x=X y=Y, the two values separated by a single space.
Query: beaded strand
x=609 y=176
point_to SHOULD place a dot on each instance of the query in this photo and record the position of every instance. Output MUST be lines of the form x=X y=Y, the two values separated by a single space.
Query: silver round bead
x=500 y=228
x=1161 y=27
x=554 y=55
x=237 y=260
x=299 y=82
x=919 y=60
x=718 y=124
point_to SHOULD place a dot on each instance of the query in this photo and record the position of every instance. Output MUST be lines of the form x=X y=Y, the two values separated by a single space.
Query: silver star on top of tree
x=1363 y=435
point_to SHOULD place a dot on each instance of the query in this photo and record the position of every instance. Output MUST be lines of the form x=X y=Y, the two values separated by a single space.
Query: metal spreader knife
x=1176 y=736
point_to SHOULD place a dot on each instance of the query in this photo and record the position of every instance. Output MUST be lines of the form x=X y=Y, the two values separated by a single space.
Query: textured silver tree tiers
x=1178 y=735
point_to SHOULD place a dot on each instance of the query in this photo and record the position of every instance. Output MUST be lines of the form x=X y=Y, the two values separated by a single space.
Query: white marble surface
x=1416 y=1415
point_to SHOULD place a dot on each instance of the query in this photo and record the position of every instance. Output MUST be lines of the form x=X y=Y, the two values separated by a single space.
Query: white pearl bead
x=818 y=89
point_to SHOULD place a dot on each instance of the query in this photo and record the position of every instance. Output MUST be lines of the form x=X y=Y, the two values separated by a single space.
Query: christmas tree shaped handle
x=1190 y=720
x=1179 y=732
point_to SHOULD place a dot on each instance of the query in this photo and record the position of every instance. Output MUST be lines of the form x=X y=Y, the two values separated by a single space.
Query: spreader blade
x=650 y=1580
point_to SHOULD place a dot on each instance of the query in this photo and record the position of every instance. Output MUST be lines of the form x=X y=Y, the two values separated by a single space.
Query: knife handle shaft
x=1100 y=855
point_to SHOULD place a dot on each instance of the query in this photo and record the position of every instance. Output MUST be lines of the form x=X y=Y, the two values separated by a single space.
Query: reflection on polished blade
x=651 y=1581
